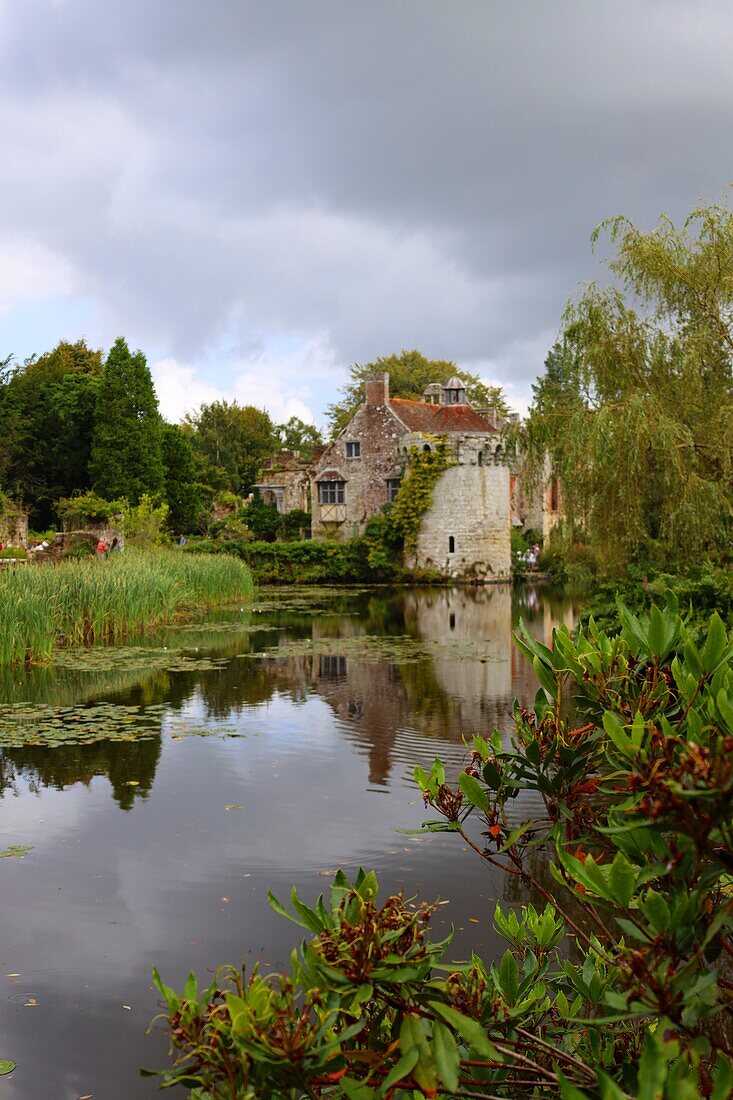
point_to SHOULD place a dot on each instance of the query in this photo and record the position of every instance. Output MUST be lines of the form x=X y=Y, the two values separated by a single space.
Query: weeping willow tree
x=635 y=408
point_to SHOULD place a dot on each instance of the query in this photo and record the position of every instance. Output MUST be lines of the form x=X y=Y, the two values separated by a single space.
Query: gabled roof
x=420 y=416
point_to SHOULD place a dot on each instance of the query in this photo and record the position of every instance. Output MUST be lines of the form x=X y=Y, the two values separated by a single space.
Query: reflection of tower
x=472 y=629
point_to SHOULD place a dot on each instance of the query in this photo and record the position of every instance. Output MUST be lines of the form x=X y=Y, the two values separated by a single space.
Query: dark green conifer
x=127 y=448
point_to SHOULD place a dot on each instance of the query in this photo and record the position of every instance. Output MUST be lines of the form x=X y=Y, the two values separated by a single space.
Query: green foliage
x=78 y=511
x=231 y=441
x=415 y=494
x=637 y=786
x=698 y=592
x=636 y=405
x=145 y=523
x=13 y=552
x=127 y=450
x=262 y=518
x=47 y=413
x=296 y=435
x=180 y=488
x=294 y=524
x=409 y=373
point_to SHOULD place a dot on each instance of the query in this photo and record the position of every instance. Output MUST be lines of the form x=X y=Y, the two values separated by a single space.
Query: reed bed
x=82 y=602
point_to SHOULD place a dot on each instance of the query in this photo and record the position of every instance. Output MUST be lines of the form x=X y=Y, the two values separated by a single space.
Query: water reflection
x=319 y=705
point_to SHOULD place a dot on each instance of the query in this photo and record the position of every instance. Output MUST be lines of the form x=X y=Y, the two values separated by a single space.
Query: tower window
x=451 y=545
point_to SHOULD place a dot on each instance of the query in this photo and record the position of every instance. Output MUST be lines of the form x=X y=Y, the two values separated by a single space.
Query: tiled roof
x=419 y=416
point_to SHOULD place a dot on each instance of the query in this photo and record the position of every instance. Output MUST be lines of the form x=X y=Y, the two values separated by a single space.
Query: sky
x=260 y=193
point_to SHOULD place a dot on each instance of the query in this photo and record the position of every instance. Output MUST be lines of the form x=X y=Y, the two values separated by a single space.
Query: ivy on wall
x=415 y=494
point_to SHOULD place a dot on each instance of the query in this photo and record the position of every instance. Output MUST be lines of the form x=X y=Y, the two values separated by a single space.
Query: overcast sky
x=260 y=192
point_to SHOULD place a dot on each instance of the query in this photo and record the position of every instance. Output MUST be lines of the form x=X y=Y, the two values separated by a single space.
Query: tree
x=409 y=373
x=127 y=453
x=232 y=440
x=296 y=435
x=180 y=488
x=47 y=416
x=636 y=404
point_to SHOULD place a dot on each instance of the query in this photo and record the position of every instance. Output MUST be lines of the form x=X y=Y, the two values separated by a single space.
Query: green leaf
x=616 y=731
x=445 y=1055
x=609 y=1089
x=469 y=1030
x=545 y=676
x=6 y=1066
x=715 y=643
x=622 y=879
x=656 y=910
x=356 y=1090
x=473 y=791
x=723 y=1078
x=568 y=1091
x=509 y=976
x=652 y=1070
x=412 y=1037
x=401 y=1069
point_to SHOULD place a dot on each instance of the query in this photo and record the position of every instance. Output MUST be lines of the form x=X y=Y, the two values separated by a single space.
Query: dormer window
x=353 y=449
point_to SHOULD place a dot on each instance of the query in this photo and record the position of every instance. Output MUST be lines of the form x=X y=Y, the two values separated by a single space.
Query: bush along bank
x=81 y=602
x=358 y=561
x=615 y=980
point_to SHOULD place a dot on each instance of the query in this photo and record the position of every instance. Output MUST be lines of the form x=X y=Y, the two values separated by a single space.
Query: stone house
x=466 y=531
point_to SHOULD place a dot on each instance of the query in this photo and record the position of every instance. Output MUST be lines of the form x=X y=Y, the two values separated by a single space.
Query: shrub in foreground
x=616 y=981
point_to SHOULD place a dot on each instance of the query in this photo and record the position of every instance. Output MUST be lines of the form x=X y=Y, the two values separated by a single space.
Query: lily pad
x=6 y=1066
x=16 y=850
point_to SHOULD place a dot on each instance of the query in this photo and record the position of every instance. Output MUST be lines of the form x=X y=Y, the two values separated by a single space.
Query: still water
x=171 y=783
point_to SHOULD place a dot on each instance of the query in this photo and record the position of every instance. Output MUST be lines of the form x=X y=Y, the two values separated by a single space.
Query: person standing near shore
x=101 y=550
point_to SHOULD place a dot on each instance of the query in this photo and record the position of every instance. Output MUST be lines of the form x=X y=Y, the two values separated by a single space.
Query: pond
x=157 y=791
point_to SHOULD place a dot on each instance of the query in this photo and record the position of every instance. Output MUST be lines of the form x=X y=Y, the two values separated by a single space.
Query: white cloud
x=179 y=390
x=30 y=271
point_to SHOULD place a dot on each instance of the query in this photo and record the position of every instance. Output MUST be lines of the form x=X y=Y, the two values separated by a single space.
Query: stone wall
x=537 y=505
x=465 y=533
x=285 y=481
x=378 y=431
x=14 y=528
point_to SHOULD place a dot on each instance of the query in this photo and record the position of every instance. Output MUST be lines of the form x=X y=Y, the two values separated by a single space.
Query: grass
x=82 y=602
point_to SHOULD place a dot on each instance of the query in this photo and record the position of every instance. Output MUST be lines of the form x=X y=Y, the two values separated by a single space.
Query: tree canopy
x=635 y=407
x=409 y=373
x=231 y=440
x=47 y=415
x=127 y=453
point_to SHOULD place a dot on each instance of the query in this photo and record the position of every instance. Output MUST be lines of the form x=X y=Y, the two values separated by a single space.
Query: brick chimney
x=376 y=389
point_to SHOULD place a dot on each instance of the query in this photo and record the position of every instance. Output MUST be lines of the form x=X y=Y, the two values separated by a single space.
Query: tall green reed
x=81 y=602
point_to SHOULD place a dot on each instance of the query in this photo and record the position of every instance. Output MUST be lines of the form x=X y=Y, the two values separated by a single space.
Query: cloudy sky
x=260 y=192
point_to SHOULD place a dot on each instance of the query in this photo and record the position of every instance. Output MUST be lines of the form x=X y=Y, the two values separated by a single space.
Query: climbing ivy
x=415 y=494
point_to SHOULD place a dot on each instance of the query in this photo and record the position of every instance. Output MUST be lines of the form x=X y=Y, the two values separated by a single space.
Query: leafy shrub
x=145 y=523
x=637 y=829
x=13 y=552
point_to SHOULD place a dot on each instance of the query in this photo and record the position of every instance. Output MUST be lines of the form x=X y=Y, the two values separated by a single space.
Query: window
x=481 y=458
x=451 y=545
x=332 y=667
x=393 y=487
x=427 y=449
x=353 y=450
x=331 y=492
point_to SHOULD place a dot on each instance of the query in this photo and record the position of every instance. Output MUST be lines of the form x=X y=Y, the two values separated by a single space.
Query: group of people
x=529 y=557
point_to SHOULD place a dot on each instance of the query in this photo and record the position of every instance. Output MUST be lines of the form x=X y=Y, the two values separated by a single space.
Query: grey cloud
x=423 y=173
